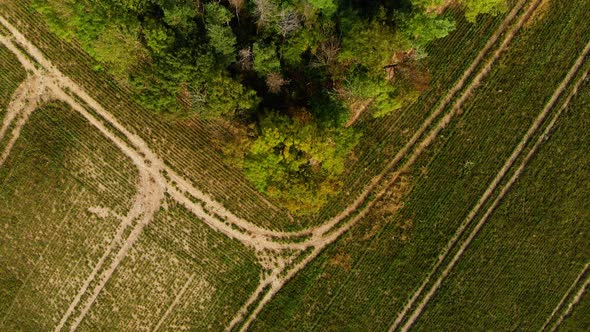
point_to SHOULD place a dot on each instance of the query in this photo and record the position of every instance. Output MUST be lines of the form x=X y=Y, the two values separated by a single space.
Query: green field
x=389 y=255
x=482 y=223
x=533 y=247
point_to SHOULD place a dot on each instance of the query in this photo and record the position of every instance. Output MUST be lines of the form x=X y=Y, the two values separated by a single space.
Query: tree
x=221 y=37
x=265 y=59
x=298 y=163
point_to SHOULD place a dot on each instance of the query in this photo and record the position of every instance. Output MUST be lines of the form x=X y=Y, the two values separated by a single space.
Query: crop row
x=350 y=283
x=578 y=319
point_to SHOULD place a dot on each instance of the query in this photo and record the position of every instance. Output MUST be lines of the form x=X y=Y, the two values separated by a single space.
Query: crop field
x=466 y=210
x=62 y=188
x=532 y=248
x=217 y=276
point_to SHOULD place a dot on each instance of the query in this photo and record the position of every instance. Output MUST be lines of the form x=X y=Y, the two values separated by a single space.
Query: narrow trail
x=572 y=304
x=516 y=153
x=272 y=280
x=174 y=303
x=565 y=296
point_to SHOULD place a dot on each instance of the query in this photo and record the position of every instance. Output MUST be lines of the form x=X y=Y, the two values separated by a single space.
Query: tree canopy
x=292 y=69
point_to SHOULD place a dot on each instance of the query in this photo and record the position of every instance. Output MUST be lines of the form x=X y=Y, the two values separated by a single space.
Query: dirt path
x=515 y=154
x=30 y=94
x=565 y=296
x=572 y=304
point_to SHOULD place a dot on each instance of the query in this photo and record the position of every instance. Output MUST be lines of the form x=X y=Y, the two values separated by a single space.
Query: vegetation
x=387 y=255
x=251 y=61
x=537 y=240
x=65 y=189
x=220 y=272
x=55 y=175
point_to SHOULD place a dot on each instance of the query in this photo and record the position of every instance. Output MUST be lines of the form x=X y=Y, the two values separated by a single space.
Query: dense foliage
x=298 y=73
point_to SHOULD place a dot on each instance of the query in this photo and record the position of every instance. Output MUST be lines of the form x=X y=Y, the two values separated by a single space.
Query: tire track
x=145 y=205
x=30 y=94
x=508 y=164
x=565 y=296
x=572 y=304
x=174 y=303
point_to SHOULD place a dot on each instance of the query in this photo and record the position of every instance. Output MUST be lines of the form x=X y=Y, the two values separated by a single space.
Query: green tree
x=221 y=37
x=265 y=59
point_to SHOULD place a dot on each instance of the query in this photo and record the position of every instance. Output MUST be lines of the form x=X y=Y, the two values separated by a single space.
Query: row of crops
x=386 y=257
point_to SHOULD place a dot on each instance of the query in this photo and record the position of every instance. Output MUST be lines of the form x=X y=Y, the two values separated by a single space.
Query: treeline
x=291 y=75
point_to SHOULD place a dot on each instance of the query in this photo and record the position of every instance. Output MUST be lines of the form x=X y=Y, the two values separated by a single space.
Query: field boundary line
x=564 y=298
x=457 y=87
x=516 y=153
x=174 y=303
x=324 y=235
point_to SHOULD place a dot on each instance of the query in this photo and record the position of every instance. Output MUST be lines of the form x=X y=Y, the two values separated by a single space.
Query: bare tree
x=265 y=10
x=275 y=81
x=237 y=4
x=327 y=53
x=289 y=22
x=246 y=58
